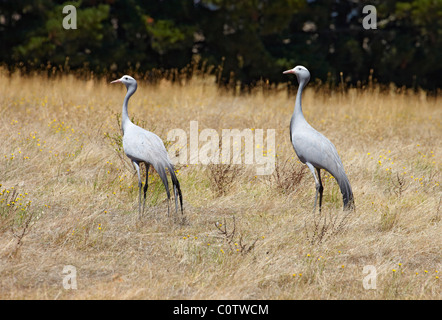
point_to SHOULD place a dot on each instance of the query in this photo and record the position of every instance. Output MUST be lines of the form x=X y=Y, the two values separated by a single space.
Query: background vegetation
x=249 y=39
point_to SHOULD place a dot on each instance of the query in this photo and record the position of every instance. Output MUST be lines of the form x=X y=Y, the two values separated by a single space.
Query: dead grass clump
x=17 y=217
x=287 y=175
x=222 y=176
x=325 y=225
x=234 y=238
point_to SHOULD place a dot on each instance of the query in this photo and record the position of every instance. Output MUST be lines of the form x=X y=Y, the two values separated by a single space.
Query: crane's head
x=128 y=81
x=301 y=73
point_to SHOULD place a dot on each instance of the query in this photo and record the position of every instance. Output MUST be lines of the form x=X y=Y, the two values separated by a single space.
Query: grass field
x=68 y=196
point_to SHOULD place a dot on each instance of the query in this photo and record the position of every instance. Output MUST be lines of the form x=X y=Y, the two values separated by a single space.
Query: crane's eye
x=125 y=78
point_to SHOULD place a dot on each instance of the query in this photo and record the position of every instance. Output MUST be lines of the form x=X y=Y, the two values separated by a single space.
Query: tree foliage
x=251 y=39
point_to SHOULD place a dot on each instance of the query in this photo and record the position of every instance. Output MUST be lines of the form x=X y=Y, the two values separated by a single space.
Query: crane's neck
x=297 y=113
x=125 y=116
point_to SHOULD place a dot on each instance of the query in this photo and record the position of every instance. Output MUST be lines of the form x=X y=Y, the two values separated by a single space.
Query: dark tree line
x=251 y=39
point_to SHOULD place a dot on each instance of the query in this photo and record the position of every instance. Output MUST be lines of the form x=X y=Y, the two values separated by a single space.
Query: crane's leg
x=140 y=185
x=176 y=198
x=162 y=173
x=145 y=186
x=321 y=189
x=317 y=183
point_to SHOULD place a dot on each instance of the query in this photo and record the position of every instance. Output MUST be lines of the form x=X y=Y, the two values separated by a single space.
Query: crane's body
x=314 y=149
x=142 y=146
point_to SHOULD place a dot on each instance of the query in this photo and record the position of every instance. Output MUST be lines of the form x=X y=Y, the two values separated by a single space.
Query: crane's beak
x=116 y=81
x=289 y=71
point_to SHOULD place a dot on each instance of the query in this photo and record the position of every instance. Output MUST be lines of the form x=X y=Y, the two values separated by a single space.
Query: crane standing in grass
x=144 y=146
x=314 y=149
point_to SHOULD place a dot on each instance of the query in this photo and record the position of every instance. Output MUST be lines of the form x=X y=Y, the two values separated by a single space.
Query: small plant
x=22 y=228
x=16 y=216
x=325 y=225
x=235 y=243
x=222 y=176
x=400 y=185
x=287 y=176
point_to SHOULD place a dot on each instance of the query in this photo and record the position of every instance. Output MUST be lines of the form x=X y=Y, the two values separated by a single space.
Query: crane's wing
x=142 y=145
x=313 y=147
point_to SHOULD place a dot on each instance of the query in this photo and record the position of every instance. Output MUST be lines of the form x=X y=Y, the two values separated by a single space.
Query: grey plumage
x=314 y=149
x=142 y=146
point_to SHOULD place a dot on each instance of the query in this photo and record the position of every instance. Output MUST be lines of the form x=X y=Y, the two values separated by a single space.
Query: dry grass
x=69 y=198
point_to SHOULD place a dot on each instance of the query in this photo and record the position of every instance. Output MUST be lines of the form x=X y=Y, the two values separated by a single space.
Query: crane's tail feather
x=176 y=187
x=162 y=173
x=347 y=193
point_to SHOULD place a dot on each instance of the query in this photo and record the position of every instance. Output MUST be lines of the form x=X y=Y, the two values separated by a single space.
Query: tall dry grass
x=69 y=197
